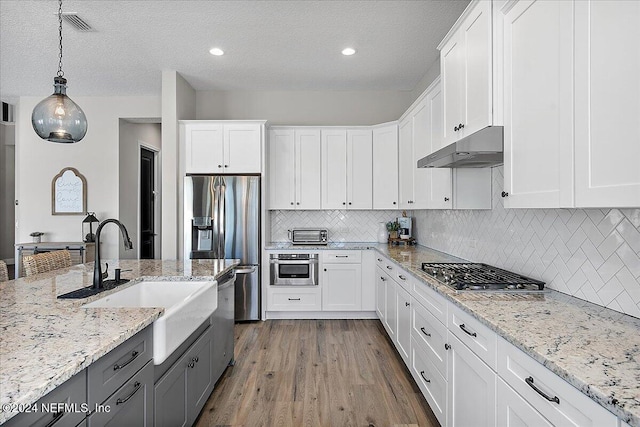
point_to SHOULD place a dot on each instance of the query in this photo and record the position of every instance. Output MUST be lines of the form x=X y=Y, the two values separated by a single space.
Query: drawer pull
x=406 y=304
x=446 y=346
x=56 y=418
x=383 y=279
x=423 y=377
x=402 y=277
x=191 y=364
x=529 y=380
x=379 y=259
x=293 y=299
x=425 y=332
x=389 y=267
x=342 y=256
x=134 y=355
x=136 y=387
x=473 y=334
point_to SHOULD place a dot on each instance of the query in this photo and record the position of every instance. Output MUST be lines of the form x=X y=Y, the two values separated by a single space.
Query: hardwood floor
x=315 y=373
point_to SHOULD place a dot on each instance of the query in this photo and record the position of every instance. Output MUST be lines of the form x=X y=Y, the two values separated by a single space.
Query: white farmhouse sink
x=187 y=304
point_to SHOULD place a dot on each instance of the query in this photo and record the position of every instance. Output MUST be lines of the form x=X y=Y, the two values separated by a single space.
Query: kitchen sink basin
x=187 y=305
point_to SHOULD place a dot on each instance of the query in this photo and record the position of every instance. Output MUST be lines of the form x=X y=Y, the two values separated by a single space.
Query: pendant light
x=57 y=118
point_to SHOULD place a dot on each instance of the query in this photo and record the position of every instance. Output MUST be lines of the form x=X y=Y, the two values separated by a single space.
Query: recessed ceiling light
x=216 y=51
x=348 y=51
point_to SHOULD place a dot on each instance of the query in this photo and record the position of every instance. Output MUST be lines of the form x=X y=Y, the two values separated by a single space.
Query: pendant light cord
x=60 y=72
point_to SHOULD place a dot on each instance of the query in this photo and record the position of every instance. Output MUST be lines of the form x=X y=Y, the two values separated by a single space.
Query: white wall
x=96 y=157
x=593 y=254
x=131 y=136
x=304 y=107
x=432 y=73
x=7 y=188
x=178 y=103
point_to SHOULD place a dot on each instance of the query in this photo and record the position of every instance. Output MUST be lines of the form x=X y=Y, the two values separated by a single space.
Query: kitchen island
x=45 y=341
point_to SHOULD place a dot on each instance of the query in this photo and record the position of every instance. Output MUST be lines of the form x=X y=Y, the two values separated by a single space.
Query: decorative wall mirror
x=69 y=193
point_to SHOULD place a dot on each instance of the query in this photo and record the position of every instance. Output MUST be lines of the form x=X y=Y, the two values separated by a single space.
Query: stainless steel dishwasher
x=222 y=321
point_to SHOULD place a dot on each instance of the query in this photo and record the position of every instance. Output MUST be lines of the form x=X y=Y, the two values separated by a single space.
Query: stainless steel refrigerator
x=222 y=220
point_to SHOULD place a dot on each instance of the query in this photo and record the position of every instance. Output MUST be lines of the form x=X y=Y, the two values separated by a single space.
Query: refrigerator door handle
x=246 y=270
x=222 y=212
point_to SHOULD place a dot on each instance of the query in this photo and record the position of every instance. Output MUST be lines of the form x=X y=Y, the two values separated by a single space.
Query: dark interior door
x=147 y=196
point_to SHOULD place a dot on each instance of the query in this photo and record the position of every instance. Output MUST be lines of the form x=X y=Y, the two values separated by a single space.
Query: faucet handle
x=105 y=273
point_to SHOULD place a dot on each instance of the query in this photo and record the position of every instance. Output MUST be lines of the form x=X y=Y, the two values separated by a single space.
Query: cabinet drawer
x=430 y=299
x=71 y=393
x=431 y=334
x=568 y=406
x=110 y=372
x=131 y=404
x=294 y=299
x=380 y=260
x=403 y=279
x=514 y=410
x=342 y=257
x=480 y=339
x=432 y=384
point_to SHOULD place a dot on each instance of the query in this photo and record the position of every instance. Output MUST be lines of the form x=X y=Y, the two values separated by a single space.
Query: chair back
x=4 y=273
x=47 y=261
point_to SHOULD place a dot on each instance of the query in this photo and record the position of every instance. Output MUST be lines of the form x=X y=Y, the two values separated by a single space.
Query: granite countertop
x=354 y=246
x=595 y=349
x=45 y=341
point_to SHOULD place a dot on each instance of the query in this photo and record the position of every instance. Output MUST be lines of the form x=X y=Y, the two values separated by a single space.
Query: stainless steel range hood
x=479 y=150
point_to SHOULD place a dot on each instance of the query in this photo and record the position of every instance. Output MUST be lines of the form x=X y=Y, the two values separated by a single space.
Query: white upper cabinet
x=294 y=168
x=538 y=116
x=413 y=145
x=385 y=167
x=607 y=140
x=439 y=191
x=347 y=161
x=405 y=162
x=466 y=63
x=218 y=147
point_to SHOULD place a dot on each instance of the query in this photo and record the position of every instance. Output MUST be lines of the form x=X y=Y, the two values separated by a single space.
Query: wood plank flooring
x=315 y=373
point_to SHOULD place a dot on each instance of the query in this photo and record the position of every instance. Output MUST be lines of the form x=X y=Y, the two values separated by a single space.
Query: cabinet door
x=430 y=381
x=607 y=146
x=538 y=113
x=385 y=167
x=242 y=148
x=308 y=172
x=391 y=320
x=439 y=194
x=514 y=411
x=381 y=294
x=199 y=375
x=359 y=169
x=281 y=169
x=131 y=405
x=204 y=146
x=477 y=56
x=334 y=169
x=452 y=71
x=405 y=154
x=341 y=287
x=421 y=148
x=472 y=388
x=170 y=397
x=403 y=334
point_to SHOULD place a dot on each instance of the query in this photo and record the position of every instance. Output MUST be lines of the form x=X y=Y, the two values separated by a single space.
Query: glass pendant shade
x=57 y=118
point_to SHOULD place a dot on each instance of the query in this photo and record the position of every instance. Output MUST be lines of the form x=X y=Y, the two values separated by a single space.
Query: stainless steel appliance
x=222 y=321
x=480 y=277
x=308 y=236
x=406 y=228
x=293 y=269
x=222 y=220
x=481 y=149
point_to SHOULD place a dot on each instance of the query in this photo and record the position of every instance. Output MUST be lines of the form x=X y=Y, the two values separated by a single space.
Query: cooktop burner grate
x=477 y=276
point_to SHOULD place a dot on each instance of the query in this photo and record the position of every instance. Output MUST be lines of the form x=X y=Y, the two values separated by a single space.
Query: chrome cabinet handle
x=425 y=332
x=134 y=354
x=56 y=418
x=136 y=387
x=473 y=334
x=529 y=380
x=423 y=377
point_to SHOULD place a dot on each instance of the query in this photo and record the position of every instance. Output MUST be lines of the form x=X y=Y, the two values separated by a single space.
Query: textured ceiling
x=269 y=45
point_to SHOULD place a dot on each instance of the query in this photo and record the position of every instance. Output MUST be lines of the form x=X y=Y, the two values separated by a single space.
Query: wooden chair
x=4 y=273
x=40 y=263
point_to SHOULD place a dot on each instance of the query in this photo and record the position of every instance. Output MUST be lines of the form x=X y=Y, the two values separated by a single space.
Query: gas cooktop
x=480 y=277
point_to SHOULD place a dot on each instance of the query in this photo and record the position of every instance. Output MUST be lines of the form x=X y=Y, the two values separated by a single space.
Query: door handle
x=246 y=270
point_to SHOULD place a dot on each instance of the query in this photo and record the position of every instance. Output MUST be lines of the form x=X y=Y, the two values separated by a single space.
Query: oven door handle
x=297 y=262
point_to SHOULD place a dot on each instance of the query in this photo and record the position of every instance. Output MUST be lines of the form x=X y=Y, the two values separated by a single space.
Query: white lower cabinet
x=391 y=319
x=550 y=395
x=381 y=291
x=341 y=287
x=294 y=298
x=430 y=381
x=471 y=395
x=403 y=334
x=514 y=411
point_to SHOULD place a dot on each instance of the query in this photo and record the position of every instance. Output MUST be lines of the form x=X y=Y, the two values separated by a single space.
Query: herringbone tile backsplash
x=343 y=226
x=593 y=254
